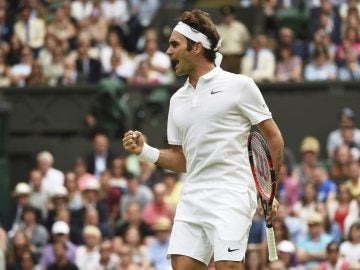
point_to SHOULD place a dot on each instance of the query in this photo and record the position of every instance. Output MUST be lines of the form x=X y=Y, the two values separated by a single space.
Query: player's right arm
x=171 y=158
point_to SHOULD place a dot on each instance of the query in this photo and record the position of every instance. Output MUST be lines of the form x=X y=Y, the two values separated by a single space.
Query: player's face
x=179 y=54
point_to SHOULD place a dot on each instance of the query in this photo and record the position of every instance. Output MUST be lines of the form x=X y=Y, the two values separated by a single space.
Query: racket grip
x=271 y=244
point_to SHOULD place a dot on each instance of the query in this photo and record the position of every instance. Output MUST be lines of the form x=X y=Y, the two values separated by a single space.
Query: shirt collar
x=212 y=73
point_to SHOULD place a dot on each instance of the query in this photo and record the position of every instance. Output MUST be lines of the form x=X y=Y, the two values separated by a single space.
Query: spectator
x=173 y=188
x=158 y=247
x=287 y=39
x=46 y=52
x=350 y=249
x=338 y=209
x=55 y=70
x=305 y=208
x=126 y=259
x=350 y=41
x=113 y=44
x=339 y=169
x=18 y=243
x=60 y=234
x=110 y=194
x=312 y=245
x=88 y=256
x=331 y=228
x=35 y=232
x=159 y=63
x=121 y=69
x=38 y=197
x=139 y=250
x=58 y=200
x=149 y=174
x=144 y=11
x=344 y=8
x=37 y=76
x=289 y=66
x=27 y=261
x=321 y=68
x=30 y=30
x=325 y=188
x=92 y=219
x=61 y=251
x=74 y=194
x=19 y=72
x=88 y=68
x=253 y=258
x=158 y=207
x=62 y=27
x=81 y=174
x=333 y=260
x=143 y=75
x=70 y=76
x=4 y=68
x=258 y=61
x=13 y=55
x=6 y=28
x=101 y=156
x=115 y=11
x=135 y=192
x=96 y=27
x=118 y=174
x=353 y=183
x=132 y=218
x=108 y=259
x=350 y=71
x=235 y=39
x=81 y=10
x=52 y=178
x=309 y=150
x=286 y=252
x=321 y=39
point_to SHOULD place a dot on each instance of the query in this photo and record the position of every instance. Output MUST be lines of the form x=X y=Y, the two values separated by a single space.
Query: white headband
x=197 y=36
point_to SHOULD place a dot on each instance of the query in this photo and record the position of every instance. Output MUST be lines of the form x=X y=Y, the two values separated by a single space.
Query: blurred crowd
x=52 y=42
x=115 y=212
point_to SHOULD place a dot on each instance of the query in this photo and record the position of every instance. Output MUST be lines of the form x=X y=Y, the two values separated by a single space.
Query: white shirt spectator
x=116 y=11
x=86 y=260
x=81 y=9
x=52 y=179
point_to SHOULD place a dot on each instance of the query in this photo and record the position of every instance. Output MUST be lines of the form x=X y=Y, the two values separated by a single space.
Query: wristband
x=149 y=153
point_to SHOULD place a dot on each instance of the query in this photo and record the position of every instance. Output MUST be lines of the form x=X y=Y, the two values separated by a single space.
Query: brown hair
x=201 y=21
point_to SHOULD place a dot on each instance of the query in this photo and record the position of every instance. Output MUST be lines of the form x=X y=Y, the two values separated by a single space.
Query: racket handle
x=271 y=244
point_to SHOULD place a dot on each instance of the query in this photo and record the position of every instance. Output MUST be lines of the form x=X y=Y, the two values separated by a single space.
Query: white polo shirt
x=212 y=124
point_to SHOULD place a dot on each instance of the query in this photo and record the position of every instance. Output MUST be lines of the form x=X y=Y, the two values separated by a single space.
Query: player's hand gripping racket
x=264 y=176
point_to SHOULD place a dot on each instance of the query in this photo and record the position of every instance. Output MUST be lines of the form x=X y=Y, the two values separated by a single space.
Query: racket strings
x=261 y=165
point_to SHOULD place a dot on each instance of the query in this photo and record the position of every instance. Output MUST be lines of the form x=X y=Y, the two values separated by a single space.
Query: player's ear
x=196 y=48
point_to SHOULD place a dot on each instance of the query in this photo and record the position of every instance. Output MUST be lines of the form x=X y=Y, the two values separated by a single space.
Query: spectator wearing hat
x=35 y=232
x=158 y=247
x=235 y=39
x=309 y=150
x=58 y=200
x=91 y=199
x=87 y=255
x=11 y=219
x=286 y=252
x=311 y=246
x=60 y=236
x=346 y=121
x=52 y=178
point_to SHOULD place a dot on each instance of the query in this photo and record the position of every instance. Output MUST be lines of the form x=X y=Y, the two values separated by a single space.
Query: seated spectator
x=322 y=39
x=339 y=169
x=350 y=41
x=13 y=55
x=60 y=236
x=87 y=67
x=54 y=71
x=346 y=5
x=6 y=27
x=37 y=76
x=350 y=249
x=91 y=218
x=19 y=72
x=121 y=69
x=350 y=71
x=312 y=245
x=173 y=188
x=52 y=178
x=158 y=62
x=254 y=258
x=126 y=259
x=116 y=12
x=307 y=206
x=118 y=173
x=28 y=261
x=287 y=39
x=18 y=244
x=110 y=194
x=113 y=44
x=4 y=68
x=258 y=61
x=108 y=259
x=70 y=76
x=74 y=194
x=35 y=232
x=346 y=120
x=289 y=66
x=58 y=200
x=143 y=75
x=321 y=68
x=45 y=55
x=353 y=183
x=286 y=253
x=30 y=30
x=38 y=197
x=333 y=258
x=158 y=207
x=62 y=261
x=96 y=27
x=325 y=187
x=81 y=10
x=88 y=256
x=157 y=250
x=144 y=11
x=62 y=27
x=331 y=228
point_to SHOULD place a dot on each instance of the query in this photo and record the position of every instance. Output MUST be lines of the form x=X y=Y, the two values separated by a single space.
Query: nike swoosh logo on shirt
x=214 y=92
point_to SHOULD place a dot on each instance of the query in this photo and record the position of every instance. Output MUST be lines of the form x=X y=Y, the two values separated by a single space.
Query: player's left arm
x=275 y=142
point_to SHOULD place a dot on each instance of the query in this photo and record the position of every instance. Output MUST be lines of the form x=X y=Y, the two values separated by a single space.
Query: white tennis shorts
x=213 y=223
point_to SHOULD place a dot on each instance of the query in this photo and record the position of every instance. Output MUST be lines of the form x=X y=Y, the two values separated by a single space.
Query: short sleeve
x=173 y=133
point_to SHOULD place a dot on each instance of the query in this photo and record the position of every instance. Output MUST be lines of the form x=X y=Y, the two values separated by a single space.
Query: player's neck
x=200 y=69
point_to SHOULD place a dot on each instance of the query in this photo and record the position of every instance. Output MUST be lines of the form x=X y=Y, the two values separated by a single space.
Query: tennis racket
x=264 y=176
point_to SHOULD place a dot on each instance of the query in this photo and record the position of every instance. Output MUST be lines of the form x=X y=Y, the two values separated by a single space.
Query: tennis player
x=208 y=124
